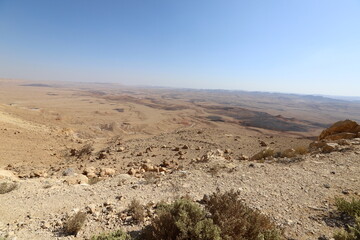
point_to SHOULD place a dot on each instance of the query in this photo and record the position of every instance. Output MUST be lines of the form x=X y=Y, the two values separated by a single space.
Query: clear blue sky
x=297 y=46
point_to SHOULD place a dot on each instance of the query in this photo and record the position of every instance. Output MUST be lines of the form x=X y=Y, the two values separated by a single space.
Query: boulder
x=338 y=136
x=107 y=172
x=347 y=126
x=6 y=174
x=323 y=147
x=76 y=179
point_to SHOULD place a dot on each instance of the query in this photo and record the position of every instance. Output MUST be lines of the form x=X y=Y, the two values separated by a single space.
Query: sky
x=293 y=46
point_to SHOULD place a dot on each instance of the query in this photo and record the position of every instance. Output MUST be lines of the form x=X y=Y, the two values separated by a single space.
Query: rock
x=89 y=170
x=227 y=151
x=263 y=144
x=243 y=157
x=326 y=185
x=39 y=173
x=338 y=136
x=346 y=126
x=121 y=149
x=76 y=179
x=107 y=172
x=68 y=172
x=323 y=147
x=185 y=147
x=6 y=174
x=132 y=171
x=148 y=167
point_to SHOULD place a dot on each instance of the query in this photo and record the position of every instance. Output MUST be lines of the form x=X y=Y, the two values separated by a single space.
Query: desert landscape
x=96 y=148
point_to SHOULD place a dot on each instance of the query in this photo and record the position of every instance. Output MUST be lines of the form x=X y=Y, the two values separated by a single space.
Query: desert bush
x=353 y=233
x=301 y=150
x=237 y=221
x=84 y=151
x=137 y=210
x=6 y=187
x=117 y=235
x=350 y=208
x=264 y=154
x=182 y=220
x=75 y=223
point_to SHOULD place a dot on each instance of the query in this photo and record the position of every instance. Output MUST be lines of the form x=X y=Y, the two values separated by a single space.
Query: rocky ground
x=297 y=193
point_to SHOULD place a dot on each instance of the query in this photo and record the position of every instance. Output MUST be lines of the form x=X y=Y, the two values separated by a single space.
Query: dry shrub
x=85 y=150
x=7 y=187
x=182 y=220
x=264 y=154
x=137 y=210
x=108 y=126
x=75 y=223
x=301 y=150
x=117 y=235
x=237 y=221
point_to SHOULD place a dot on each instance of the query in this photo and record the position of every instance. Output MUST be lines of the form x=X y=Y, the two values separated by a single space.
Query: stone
x=107 y=172
x=6 y=174
x=76 y=179
x=346 y=126
x=68 y=172
x=132 y=171
x=263 y=144
x=338 y=136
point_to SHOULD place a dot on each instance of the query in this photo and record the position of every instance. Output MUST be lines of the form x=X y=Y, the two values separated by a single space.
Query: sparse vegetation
x=267 y=153
x=75 y=223
x=94 y=180
x=351 y=209
x=353 y=233
x=237 y=221
x=6 y=187
x=181 y=220
x=85 y=150
x=137 y=210
x=117 y=235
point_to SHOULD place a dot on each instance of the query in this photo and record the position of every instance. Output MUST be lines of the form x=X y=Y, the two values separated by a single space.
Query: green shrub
x=117 y=235
x=350 y=208
x=352 y=234
x=75 y=223
x=182 y=220
x=237 y=221
x=7 y=187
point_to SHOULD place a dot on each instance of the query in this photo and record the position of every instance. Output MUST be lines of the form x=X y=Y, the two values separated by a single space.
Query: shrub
x=301 y=150
x=117 y=235
x=75 y=223
x=237 y=221
x=352 y=234
x=264 y=154
x=182 y=220
x=350 y=208
x=7 y=187
x=137 y=210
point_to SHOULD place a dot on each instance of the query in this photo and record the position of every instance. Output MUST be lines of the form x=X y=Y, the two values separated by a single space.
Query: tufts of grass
x=75 y=223
x=6 y=187
x=117 y=235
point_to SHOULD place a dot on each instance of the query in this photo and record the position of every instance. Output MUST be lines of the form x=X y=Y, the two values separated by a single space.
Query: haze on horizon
x=307 y=47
